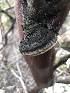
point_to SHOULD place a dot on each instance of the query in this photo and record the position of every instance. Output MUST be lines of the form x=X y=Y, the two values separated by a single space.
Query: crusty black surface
x=39 y=33
x=36 y=38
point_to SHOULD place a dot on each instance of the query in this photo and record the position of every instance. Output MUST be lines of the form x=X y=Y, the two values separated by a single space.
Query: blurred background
x=13 y=66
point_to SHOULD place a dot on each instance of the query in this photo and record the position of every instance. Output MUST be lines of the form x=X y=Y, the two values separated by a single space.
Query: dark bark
x=42 y=67
x=50 y=16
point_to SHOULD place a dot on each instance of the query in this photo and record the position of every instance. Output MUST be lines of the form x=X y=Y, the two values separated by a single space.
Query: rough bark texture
x=41 y=25
x=50 y=16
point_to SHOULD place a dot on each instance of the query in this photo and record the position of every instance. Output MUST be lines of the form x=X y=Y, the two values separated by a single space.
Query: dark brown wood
x=42 y=67
x=56 y=11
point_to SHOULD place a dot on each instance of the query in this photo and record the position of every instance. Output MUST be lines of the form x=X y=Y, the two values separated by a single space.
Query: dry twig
x=20 y=74
x=1 y=43
x=21 y=81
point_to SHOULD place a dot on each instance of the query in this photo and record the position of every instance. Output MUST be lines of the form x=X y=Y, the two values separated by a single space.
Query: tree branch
x=63 y=79
x=1 y=43
x=5 y=12
x=11 y=28
x=62 y=61
x=9 y=8
x=8 y=3
x=20 y=79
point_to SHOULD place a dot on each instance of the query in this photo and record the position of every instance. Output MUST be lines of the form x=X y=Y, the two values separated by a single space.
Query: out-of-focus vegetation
x=6 y=9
